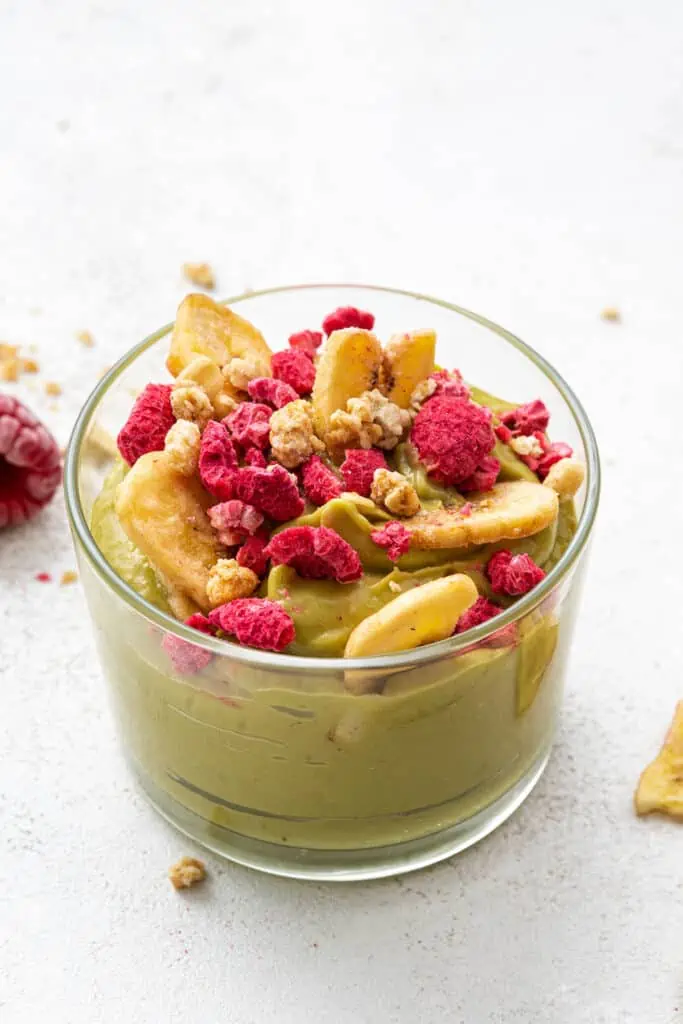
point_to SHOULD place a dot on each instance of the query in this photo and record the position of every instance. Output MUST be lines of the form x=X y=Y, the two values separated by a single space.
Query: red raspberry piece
x=450 y=383
x=44 y=577
x=150 y=420
x=513 y=574
x=555 y=453
x=187 y=658
x=358 y=468
x=30 y=463
x=255 y=457
x=481 y=611
x=316 y=553
x=294 y=368
x=452 y=436
x=528 y=418
x=306 y=341
x=272 y=491
x=234 y=520
x=256 y=622
x=271 y=391
x=466 y=509
x=503 y=433
x=320 y=483
x=249 y=424
x=484 y=476
x=251 y=555
x=217 y=460
x=394 y=537
x=348 y=316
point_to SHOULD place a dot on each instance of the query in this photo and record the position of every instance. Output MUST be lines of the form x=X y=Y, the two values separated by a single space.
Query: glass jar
x=333 y=768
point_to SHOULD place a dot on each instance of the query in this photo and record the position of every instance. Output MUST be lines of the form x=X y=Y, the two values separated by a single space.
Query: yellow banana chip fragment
x=661 y=784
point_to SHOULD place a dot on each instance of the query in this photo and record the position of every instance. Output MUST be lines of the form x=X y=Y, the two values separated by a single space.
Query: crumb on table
x=200 y=274
x=85 y=338
x=43 y=577
x=68 y=576
x=52 y=388
x=611 y=314
x=188 y=871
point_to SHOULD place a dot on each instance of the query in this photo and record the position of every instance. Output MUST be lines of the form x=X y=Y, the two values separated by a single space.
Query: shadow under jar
x=336 y=768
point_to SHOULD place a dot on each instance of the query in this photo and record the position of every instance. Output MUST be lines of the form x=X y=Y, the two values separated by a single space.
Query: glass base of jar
x=342 y=865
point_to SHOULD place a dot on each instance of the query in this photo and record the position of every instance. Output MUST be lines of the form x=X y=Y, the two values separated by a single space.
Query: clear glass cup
x=331 y=768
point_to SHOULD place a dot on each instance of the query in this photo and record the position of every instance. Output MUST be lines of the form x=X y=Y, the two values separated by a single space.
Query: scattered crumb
x=660 y=787
x=69 y=576
x=85 y=338
x=9 y=369
x=53 y=406
x=29 y=366
x=611 y=314
x=44 y=577
x=52 y=388
x=200 y=274
x=187 y=872
x=394 y=587
x=12 y=364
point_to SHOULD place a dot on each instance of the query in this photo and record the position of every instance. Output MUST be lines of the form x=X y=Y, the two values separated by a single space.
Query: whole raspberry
x=254 y=457
x=272 y=491
x=251 y=555
x=484 y=476
x=256 y=622
x=527 y=419
x=271 y=391
x=316 y=553
x=348 y=316
x=394 y=537
x=217 y=460
x=294 y=368
x=30 y=464
x=150 y=420
x=249 y=424
x=320 y=483
x=513 y=574
x=234 y=520
x=306 y=341
x=481 y=611
x=358 y=468
x=187 y=658
x=555 y=453
x=450 y=383
x=452 y=436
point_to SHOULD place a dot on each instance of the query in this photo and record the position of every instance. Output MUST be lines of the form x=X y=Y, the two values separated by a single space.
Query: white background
x=523 y=159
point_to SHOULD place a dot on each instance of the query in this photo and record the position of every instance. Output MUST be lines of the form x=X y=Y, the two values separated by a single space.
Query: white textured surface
x=523 y=159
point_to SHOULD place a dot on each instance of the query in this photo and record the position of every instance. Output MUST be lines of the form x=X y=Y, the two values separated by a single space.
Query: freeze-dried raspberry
x=358 y=468
x=484 y=476
x=254 y=457
x=452 y=436
x=234 y=520
x=306 y=341
x=255 y=622
x=481 y=611
x=271 y=391
x=249 y=424
x=217 y=460
x=348 y=316
x=316 y=553
x=30 y=463
x=149 y=421
x=513 y=574
x=528 y=418
x=503 y=433
x=272 y=491
x=466 y=509
x=557 y=451
x=450 y=382
x=294 y=368
x=394 y=537
x=251 y=555
x=187 y=658
x=320 y=483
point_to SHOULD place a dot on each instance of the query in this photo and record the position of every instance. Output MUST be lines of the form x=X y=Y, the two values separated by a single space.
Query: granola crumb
x=9 y=370
x=395 y=493
x=368 y=421
x=85 y=338
x=229 y=580
x=191 y=402
x=182 y=445
x=292 y=436
x=188 y=871
x=68 y=576
x=200 y=274
x=52 y=388
x=394 y=587
x=239 y=372
x=30 y=366
x=611 y=314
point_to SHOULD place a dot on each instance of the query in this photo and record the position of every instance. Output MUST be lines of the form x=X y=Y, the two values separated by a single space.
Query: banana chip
x=661 y=784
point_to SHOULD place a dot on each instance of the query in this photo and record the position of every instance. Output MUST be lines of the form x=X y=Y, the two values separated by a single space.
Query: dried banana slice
x=565 y=477
x=506 y=512
x=205 y=328
x=349 y=364
x=408 y=360
x=421 y=616
x=661 y=784
x=164 y=514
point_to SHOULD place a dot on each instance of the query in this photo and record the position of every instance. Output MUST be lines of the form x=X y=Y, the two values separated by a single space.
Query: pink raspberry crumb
x=295 y=368
x=484 y=476
x=555 y=453
x=255 y=622
x=527 y=419
x=306 y=341
x=149 y=421
x=249 y=424
x=348 y=316
x=320 y=483
x=44 y=577
x=466 y=509
x=251 y=554
x=452 y=437
x=513 y=574
x=482 y=611
x=271 y=391
x=358 y=468
x=272 y=491
x=316 y=553
x=394 y=537
x=450 y=383
x=234 y=520
x=217 y=461
x=503 y=433
x=254 y=457
x=30 y=463
x=187 y=658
